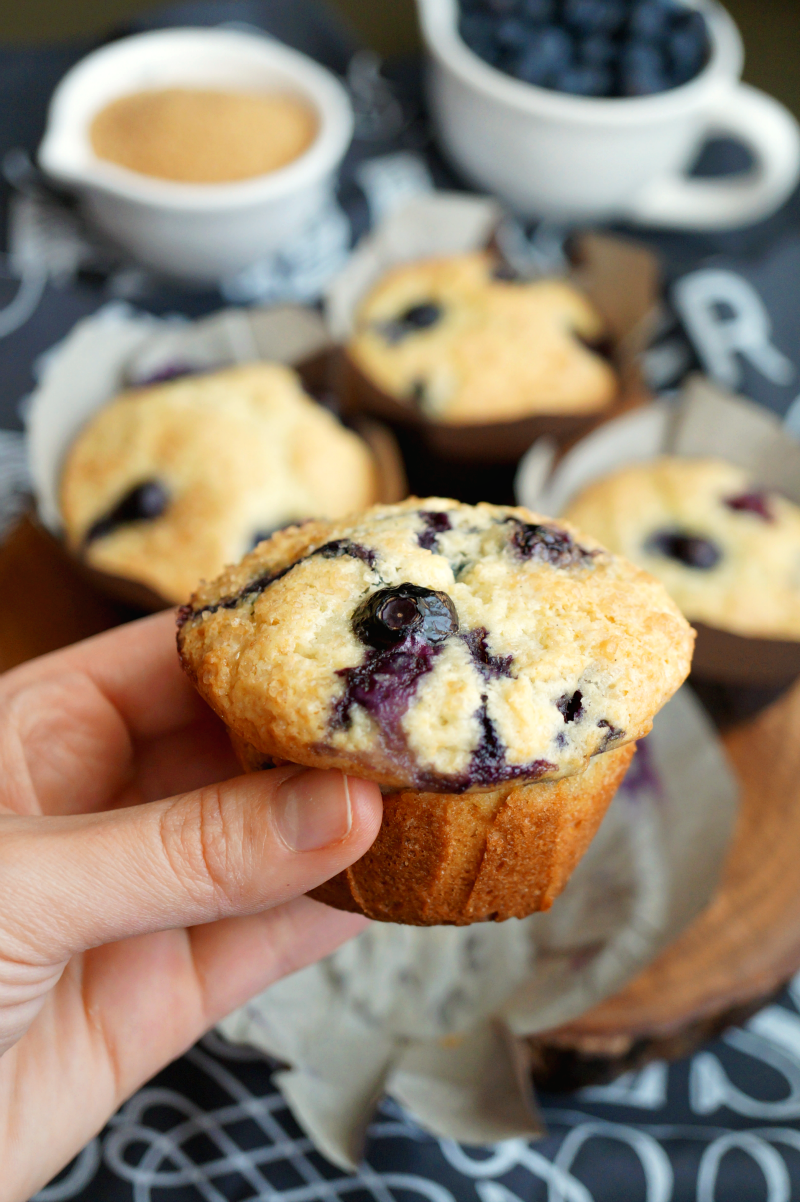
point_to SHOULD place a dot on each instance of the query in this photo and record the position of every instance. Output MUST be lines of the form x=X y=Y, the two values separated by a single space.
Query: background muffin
x=458 y=341
x=727 y=551
x=167 y=484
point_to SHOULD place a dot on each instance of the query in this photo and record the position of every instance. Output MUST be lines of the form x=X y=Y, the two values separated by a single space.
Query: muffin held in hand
x=167 y=484
x=458 y=341
x=489 y=668
x=727 y=551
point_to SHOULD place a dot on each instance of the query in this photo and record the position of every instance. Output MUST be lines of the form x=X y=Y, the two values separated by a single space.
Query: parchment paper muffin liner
x=619 y=277
x=437 y=1017
x=118 y=348
x=704 y=421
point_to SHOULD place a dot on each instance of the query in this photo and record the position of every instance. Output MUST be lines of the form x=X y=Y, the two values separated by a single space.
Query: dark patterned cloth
x=722 y=1126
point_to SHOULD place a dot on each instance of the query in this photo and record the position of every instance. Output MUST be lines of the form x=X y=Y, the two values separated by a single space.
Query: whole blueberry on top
x=392 y=615
x=144 y=503
x=689 y=549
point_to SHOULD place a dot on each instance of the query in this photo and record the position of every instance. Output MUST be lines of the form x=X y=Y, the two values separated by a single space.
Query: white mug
x=547 y=154
x=196 y=232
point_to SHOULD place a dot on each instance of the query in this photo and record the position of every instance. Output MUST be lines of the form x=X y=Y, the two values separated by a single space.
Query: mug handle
x=771 y=133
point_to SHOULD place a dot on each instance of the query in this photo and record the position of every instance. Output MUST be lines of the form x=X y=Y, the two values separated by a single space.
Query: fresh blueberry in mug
x=687 y=51
x=538 y=12
x=596 y=51
x=550 y=51
x=581 y=80
x=651 y=20
x=512 y=33
x=594 y=16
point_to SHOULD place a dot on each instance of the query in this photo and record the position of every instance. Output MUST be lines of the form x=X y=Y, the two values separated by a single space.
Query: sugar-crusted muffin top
x=435 y=645
x=727 y=551
x=459 y=341
x=167 y=484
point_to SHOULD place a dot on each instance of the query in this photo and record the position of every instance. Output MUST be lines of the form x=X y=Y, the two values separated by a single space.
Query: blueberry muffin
x=726 y=550
x=458 y=341
x=444 y=650
x=167 y=484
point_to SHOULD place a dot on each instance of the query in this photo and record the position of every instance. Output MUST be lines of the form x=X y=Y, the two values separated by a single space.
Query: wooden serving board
x=731 y=959
x=738 y=953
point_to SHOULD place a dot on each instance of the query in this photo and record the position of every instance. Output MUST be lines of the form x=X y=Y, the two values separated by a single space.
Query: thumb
x=71 y=883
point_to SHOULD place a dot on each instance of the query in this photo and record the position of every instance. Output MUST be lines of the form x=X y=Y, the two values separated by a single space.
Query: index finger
x=135 y=667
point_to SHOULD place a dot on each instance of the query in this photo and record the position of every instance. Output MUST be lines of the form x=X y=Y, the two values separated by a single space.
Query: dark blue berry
x=651 y=20
x=752 y=502
x=144 y=503
x=613 y=733
x=687 y=52
x=689 y=549
x=384 y=685
x=547 y=544
x=477 y=30
x=502 y=8
x=342 y=546
x=550 y=50
x=512 y=33
x=596 y=50
x=643 y=70
x=582 y=80
x=571 y=707
x=392 y=615
x=415 y=318
x=488 y=765
x=538 y=12
x=436 y=523
x=489 y=666
x=594 y=16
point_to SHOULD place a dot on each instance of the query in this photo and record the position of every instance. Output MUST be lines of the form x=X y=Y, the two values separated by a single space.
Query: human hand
x=129 y=924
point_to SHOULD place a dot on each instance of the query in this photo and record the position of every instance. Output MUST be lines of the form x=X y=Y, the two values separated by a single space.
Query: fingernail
x=312 y=809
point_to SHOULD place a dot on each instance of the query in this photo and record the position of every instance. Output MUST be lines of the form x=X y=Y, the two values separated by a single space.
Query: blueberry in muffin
x=167 y=484
x=488 y=667
x=727 y=550
x=458 y=340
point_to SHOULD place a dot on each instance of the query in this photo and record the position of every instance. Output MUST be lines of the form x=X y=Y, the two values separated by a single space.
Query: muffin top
x=435 y=645
x=460 y=342
x=167 y=484
x=727 y=551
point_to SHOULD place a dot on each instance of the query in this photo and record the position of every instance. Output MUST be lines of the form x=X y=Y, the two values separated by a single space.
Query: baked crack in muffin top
x=459 y=340
x=726 y=549
x=435 y=645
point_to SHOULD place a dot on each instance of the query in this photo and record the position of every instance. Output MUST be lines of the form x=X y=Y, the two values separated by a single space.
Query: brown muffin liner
x=455 y=859
x=734 y=659
x=621 y=279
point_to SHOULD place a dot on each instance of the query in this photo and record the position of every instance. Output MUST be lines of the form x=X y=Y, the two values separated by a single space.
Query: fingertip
x=366 y=808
